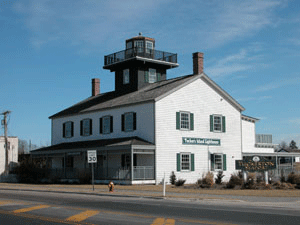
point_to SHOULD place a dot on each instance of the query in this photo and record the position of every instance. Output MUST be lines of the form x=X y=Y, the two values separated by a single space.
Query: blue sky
x=50 y=50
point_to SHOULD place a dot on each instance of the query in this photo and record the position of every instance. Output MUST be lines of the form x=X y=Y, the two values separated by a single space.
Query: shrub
x=207 y=181
x=234 y=180
x=219 y=177
x=259 y=179
x=249 y=184
x=293 y=178
x=172 y=178
x=180 y=182
x=28 y=172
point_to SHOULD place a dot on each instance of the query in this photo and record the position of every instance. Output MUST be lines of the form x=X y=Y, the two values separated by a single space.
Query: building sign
x=255 y=164
x=200 y=141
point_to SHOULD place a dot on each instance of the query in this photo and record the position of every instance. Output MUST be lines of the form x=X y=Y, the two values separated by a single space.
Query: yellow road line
x=82 y=216
x=31 y=208
x=205 y=222
x=162 y=221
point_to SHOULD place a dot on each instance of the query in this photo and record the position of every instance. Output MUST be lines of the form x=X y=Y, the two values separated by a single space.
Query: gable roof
x=153 y=92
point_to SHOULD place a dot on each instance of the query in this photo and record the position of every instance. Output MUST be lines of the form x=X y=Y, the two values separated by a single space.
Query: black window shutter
x=192 y=121
x=223 y=124
x=192 y=162
x=123 y=122
x=134 y=121
x=178 y=162
x=212 y=162
x=211 y=123
x=101 y=124
x=81 y=127
x=72 y=129
x=111 y=124
x=64 y=130
x=224 y=162
x=91 y=127
x=177 y=120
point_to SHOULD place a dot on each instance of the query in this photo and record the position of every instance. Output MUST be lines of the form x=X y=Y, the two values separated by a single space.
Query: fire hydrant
x=111 y=187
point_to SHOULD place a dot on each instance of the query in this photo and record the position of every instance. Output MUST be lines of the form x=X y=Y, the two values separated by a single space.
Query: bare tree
x=293 y=145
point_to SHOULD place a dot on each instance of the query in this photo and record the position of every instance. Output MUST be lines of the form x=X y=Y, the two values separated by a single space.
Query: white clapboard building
x=149 y=125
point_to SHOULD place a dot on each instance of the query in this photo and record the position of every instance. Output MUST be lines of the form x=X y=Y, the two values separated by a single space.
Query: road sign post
x=92 y=158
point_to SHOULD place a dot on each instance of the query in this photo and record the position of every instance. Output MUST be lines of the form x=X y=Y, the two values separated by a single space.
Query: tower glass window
x=139 y=45
x=149 y=46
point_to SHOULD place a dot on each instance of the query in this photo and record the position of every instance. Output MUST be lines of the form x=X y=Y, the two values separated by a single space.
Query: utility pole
x=4 y=122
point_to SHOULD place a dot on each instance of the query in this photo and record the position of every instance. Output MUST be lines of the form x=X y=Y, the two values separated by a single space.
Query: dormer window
x=126 y=76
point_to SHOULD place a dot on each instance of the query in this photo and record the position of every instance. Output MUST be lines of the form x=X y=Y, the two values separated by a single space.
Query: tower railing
x=139 y=52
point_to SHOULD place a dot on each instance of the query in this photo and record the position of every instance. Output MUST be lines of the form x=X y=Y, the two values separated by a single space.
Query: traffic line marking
x=31 y=208
x=162 y=221
x=4 y=202
x=82 y=216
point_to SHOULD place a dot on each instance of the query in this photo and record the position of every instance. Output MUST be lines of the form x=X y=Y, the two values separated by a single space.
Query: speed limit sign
x=92 y=156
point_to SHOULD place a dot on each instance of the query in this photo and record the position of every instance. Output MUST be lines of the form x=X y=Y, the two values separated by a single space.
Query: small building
x=12 y=153
x=149 y=125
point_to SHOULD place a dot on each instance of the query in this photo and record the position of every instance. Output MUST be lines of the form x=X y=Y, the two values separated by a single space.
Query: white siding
x=144 y=122
x=198 y=98
x=248 y=133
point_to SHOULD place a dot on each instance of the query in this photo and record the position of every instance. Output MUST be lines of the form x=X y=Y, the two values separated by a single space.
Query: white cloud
x=278 y=84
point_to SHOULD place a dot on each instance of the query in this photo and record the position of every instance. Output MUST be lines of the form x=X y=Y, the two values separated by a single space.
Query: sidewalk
x=156 y=192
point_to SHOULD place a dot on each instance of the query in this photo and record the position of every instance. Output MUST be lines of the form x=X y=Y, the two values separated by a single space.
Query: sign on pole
x=92 y=156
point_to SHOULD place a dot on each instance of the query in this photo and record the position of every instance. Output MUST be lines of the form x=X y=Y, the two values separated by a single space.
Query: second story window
x=68 y=129
x=149 y=46
x=217 y=123
x=126 y=76
x=184 y=121
x=139 y=45
x=86 y=128
x=129 y=121
x=106 y=125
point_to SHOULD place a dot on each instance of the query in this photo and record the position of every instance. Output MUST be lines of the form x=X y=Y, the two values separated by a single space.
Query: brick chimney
x=198 y=62
x=95 y=86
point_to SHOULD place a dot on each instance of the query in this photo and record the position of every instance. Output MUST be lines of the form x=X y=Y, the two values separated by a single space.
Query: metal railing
x=141 y=52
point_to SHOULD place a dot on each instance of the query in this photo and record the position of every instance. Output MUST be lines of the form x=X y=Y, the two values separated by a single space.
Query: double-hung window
x=217 y=123
x=106 y=125
x=139 y=45
x=129 y=121
x=68 y=129
x=184 y=121
x=185 y=162
x=218 y=162
x=126 y=76
x=86 y=128
x=152 y=75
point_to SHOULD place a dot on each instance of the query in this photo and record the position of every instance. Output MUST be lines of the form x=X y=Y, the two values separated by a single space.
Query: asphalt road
x=57 y=208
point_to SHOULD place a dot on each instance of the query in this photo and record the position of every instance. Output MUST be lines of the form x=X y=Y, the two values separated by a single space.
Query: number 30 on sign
x=92 y=156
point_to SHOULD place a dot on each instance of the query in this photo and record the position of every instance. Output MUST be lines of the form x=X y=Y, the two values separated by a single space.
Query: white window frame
x=189 y=161
x=128 y=122
x=188 y=127
x=86 y=127
x=152 y=75
x=218 y=164
x=106 y=127
x=126 y=77
x=214 y=127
